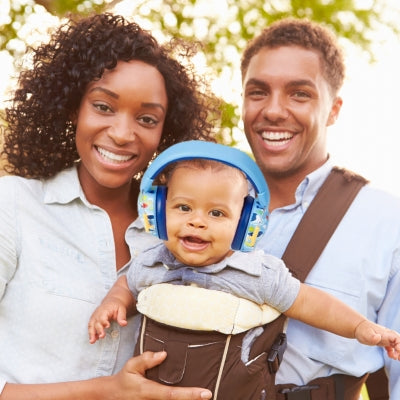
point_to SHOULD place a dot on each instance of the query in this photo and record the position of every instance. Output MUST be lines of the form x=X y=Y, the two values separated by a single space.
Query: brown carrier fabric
x=195 y=358
x=335 y=387
x=320 y=220
x=377 y=385
x=307 y=243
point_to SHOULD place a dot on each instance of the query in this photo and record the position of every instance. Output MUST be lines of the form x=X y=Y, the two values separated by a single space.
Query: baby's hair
x=199 y=164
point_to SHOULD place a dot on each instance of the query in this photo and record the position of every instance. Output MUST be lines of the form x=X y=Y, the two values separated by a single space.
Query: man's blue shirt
x=360 y=265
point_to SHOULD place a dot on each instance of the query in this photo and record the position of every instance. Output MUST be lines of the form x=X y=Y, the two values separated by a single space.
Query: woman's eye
x=147 y=120
x=102 y=107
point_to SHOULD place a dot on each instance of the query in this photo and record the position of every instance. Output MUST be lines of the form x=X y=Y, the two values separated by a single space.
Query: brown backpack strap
x=314 y=231
x=320 y=220
x=377 y=385
x=307 y=243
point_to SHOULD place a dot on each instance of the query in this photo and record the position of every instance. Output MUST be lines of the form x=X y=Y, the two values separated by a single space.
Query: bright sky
x=366 y=137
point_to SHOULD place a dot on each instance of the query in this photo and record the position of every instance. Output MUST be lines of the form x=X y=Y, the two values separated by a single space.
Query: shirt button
x=114 y=334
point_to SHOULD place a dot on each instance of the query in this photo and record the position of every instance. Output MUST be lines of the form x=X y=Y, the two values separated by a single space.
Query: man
x=292 y=73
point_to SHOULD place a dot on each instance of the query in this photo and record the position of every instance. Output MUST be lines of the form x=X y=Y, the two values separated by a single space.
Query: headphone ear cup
x=252 y=224
x=160 y=218
x=151 y=210
x=241 y=230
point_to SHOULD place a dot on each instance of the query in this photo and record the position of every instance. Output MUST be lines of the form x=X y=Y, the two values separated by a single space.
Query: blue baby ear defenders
x=254 y=218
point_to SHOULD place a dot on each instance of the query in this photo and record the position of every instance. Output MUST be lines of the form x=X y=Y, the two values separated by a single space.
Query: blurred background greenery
x=365 y=138
x=223 y=27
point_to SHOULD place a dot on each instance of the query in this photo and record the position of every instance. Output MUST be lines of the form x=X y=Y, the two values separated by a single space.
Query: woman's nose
x=123 y=130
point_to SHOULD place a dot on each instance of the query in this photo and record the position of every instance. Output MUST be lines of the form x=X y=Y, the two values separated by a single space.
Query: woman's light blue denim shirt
x=57 y=262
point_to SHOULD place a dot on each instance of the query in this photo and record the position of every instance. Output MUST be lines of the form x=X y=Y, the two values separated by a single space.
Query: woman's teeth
x=112 y=157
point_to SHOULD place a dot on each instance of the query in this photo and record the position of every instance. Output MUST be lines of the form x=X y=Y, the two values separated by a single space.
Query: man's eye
x=256 y=93
x=301 y=95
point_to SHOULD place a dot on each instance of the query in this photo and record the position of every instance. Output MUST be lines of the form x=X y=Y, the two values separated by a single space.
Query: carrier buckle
x=276 y=353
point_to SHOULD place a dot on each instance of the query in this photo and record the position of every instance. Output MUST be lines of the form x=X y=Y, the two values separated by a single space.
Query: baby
x=204 y=294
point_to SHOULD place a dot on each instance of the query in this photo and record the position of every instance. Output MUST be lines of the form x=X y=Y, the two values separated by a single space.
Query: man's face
x=287 y=106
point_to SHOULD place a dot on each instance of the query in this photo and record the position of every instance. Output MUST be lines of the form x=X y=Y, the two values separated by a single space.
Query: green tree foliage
x=223 y=27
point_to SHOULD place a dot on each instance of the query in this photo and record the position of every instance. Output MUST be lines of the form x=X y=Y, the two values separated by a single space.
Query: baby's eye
x=183 y=207
x=216 y=213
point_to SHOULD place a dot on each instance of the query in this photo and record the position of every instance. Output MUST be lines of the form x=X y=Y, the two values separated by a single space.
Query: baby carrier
x=211 y=353
x=213 y=359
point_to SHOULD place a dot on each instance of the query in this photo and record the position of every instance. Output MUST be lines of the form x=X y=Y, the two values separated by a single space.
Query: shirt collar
x=64 y=187
x=238 y=260
x=309 y=187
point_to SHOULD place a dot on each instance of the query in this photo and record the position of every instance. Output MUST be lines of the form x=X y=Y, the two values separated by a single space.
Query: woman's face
x=119 y=125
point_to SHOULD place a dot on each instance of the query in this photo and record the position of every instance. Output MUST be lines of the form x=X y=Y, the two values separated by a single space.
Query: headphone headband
x=210 y=151
x=255 y=210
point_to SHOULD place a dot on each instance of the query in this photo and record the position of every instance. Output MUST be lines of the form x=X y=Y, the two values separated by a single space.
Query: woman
x=101 y=99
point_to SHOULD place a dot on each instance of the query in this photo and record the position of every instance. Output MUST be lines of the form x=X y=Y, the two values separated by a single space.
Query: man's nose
x=275 y=108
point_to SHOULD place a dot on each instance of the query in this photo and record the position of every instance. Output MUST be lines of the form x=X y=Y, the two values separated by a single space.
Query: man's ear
x=335 y=110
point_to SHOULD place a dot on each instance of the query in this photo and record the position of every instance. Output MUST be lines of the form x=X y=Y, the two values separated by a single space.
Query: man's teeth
x=118 y=158
x=277 y=138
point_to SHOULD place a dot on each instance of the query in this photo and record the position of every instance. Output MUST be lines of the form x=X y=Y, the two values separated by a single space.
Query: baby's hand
x=101 y=317
x=373 y=334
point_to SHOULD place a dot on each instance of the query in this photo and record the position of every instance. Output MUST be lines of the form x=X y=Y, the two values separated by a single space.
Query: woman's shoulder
x=32 y=185
x=9 y=183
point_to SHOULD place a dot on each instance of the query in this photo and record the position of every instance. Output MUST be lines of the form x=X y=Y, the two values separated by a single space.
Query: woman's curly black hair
x=40 y=137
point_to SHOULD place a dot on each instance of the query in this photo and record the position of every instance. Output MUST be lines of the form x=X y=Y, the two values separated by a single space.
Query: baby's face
x=203 y=208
